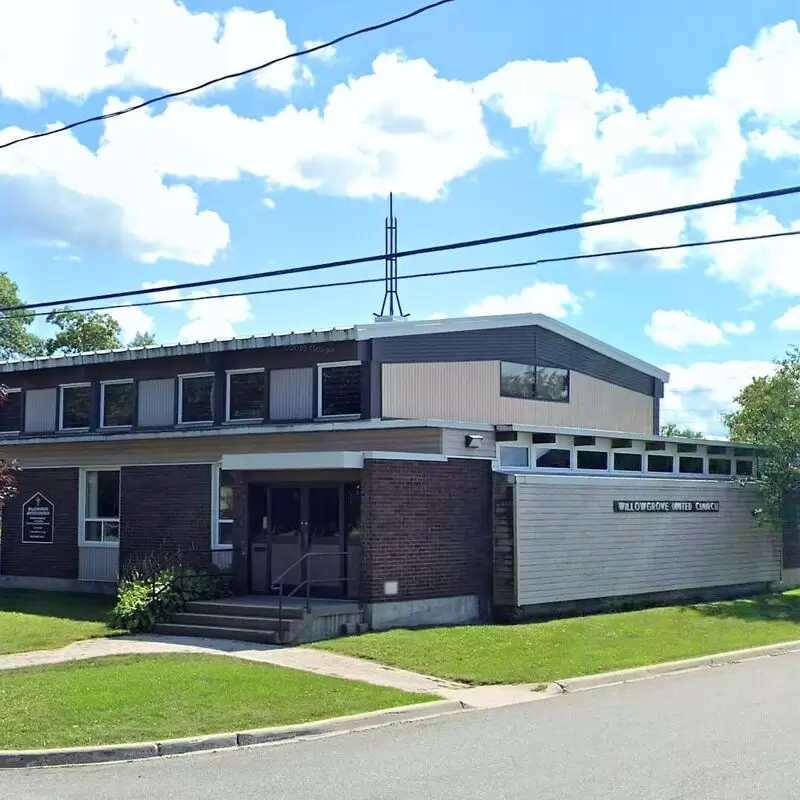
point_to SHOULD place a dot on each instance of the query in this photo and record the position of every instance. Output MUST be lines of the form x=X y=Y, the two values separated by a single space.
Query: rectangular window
x=744 y=467
x=554 y=458
x=11 y=412
x=101 y=512
x=716 y=450
x=196 y=398
x=527 y=382
x=543 y=438
x=690 y=465
x=687 y=448
x=517 y=380
x=339 y=390
x=628 y=462
x=514 y=456
x=76 y=407
x=719 y=466
x=585 y=441
x=223 y=529
x=655 y=446
x=552 y=384
x=621 y=444
x=117 y=404
x=592 y=459
x=659 y=463
x=246 y=395
x=742 y=452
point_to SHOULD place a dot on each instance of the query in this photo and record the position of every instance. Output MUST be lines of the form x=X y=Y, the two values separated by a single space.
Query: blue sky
x=483 y=119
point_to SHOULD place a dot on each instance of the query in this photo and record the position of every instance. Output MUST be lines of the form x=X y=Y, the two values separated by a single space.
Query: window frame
x=535 y=368
x=61 y=388
x=17 y=390
x=248 y=371
x=189 y=376
x=332 y=365
x=539 y=449
x=503 y=445
x=593 y=449
x=83 y=518
x=119 y=382
x=216 y=520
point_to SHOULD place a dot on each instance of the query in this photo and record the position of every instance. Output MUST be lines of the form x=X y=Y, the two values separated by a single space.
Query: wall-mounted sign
x=37 y=520
x=666 y=505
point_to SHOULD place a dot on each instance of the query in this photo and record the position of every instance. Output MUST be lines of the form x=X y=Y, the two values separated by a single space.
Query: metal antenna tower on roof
x=391 y=298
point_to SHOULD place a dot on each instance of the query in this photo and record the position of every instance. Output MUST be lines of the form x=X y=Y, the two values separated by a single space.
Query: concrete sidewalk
x=299 y=658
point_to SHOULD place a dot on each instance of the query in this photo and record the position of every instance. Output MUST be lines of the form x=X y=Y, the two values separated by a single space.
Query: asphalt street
x=727 y=732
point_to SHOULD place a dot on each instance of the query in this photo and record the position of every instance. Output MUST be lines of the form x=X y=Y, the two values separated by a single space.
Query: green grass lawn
x=546 y=651
x=150 y=698
x=44 y=620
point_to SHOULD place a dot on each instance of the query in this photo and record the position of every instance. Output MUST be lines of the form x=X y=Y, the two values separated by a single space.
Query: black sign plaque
x=37 y=520
x=666 y=506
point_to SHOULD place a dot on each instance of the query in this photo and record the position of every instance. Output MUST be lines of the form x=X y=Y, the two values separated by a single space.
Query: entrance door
x=288 y=522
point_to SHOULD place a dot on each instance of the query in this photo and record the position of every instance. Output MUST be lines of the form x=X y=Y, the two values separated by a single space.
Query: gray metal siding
x=453 y=443
x=98 y=564
x=156 y=403
x=41 y=406
x=571 y=545
x=291 y=394
x=524 y=345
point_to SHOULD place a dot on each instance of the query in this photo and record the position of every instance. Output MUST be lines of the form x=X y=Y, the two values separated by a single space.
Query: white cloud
x=553 y=299
x=698 y=394
x=437 y=315
x=132 y=320
x=171 y=295
x=269 y=202
x=327 y=54
x=88 y=46
x=111 y=200
x=213 y=318
x=744 y=328
x=790 y=321
x=400 y=128
x=678 y=329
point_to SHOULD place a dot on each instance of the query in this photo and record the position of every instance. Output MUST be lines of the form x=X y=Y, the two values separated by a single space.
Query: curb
x=71 y=756
x=670 y=668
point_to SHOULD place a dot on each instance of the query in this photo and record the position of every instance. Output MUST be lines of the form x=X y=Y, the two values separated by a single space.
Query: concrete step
x=243 y=610
x=230 y=621
x=212 y=632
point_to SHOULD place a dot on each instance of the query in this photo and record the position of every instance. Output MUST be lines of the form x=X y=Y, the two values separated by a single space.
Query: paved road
x=728 y=732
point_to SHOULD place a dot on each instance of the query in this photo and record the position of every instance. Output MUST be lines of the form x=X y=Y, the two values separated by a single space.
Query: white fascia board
x=627 y=482
x=334 y=459
x=390 y=455
x=407 y=328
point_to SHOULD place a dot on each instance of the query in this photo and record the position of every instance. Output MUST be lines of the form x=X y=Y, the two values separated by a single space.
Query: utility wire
x=509 y=237
x=463 y=271
x=232 y=76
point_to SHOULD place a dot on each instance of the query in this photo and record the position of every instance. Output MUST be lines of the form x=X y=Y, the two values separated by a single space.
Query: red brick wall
x=57 y=560
x=427 y=525
x=165 y=507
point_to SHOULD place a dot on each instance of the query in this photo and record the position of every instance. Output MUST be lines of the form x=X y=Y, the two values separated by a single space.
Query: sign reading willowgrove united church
x=666 y=505
x=37 y=520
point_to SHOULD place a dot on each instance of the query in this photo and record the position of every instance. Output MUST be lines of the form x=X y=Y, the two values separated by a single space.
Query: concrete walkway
x=320 y=662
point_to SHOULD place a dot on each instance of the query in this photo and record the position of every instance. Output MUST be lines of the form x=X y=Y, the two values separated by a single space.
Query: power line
x=232 y=76
x=509 y=237
x=462 y=271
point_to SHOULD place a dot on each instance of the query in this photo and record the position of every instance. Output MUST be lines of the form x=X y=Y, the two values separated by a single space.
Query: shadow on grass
x=761 y=608
x=58 y=605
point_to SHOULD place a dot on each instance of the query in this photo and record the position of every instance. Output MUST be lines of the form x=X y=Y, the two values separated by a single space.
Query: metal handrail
x=279 y=582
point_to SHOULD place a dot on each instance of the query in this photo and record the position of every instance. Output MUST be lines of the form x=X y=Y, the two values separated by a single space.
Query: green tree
x=671 y=429
x=143 y=340
x=767 y=412
x=16 y=338
x=80 y=332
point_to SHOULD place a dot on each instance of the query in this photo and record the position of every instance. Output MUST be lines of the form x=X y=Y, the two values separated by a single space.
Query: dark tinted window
x=543 y=438
x=691 y=465
x=719 y=466
x=118 y=404
x=554 y=459
x=11 y=412
x=341 y=390
x=716 y=450
x=628 y=462
x=744 y=467
x=659 y=463
x=197 y=399
x=517 y=380
x=76 y=406
x=592 y=459
x=246 y=395
x=514 y=456
x=655 y=446
x=552 y=384
x=687 y=448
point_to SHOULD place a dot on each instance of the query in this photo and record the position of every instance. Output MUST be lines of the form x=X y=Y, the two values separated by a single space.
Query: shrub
x=145 y=600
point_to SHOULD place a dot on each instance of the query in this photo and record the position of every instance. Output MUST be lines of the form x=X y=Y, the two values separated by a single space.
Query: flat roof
x=374 y=330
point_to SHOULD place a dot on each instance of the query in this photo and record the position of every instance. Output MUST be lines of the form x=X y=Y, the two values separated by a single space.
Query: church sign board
x=38 y=517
